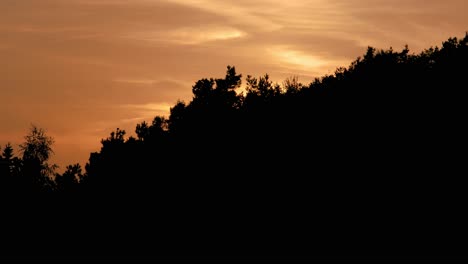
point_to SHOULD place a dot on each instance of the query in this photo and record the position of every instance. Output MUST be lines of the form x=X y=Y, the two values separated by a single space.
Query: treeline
x=305 y=163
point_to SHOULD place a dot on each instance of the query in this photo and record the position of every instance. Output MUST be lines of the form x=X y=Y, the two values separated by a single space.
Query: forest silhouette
x=363 y=162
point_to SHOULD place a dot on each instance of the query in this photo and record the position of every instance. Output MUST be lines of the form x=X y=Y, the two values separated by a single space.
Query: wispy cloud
x=150 y=110
x=296 y=59
x=189 y=35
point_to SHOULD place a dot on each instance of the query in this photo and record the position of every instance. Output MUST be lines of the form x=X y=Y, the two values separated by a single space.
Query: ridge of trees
x=384 y=82
x=367 y=139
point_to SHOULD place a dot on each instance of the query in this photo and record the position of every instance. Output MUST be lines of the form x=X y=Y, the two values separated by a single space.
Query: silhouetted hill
x=364 y=162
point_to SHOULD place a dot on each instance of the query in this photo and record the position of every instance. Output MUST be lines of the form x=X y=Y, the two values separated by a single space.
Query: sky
x=81 y=68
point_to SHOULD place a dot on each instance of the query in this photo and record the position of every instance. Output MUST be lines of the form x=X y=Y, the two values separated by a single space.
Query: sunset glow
x=81 y=68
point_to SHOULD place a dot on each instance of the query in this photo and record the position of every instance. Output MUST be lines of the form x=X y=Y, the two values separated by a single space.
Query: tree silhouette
x=36 y=151
x=361 y=160
x=6 y=168
x=5 y=159
x=7 y=152
x=69 y=181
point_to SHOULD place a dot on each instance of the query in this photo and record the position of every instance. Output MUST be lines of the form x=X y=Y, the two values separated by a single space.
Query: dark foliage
x=364 y=162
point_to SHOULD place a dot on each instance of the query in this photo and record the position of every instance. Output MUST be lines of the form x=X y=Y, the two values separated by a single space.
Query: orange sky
x=80 y=68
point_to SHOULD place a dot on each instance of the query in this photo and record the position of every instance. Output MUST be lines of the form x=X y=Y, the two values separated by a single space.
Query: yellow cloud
x=189 y=35
x=149 y=110
x=236 y=11
x=297 y=58
x=201 y=35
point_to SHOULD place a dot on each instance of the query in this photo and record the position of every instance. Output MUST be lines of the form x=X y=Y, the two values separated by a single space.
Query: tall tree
x=7 y=152
x=6 y=160
x=36 y=151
